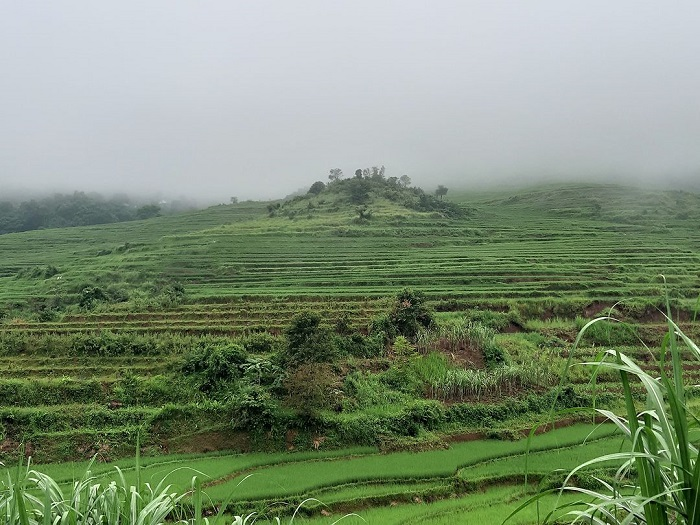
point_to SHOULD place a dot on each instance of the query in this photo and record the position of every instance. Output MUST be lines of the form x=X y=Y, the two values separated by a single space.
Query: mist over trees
x=78 y=209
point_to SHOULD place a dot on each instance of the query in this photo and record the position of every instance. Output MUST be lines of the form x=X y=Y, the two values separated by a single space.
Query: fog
x=257 y=99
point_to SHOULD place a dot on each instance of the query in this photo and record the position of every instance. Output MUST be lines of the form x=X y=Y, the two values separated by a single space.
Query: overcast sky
x=257 y=99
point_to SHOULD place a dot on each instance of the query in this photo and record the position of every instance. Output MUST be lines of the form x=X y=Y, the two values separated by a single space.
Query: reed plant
x=657 y=481
x=460 y=384
x=30 y=497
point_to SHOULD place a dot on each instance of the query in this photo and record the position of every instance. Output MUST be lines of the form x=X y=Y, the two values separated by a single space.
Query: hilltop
x=367 y=193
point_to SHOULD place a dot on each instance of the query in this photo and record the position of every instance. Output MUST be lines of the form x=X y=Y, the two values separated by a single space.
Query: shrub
x=609 y=332
x=90 y=296
x=261 y=343
x=369 y=390
x=308 y=341
x=253 y=408
x=211 y=366
x=381 y=326
x=409 y=314
x=402 y=348
x=311 y=388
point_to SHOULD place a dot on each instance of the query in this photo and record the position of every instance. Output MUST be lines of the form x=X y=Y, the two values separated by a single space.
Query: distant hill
x=608 y=202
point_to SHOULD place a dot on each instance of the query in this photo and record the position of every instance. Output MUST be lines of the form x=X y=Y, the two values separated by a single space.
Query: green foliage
x=364 y=391
x=409 y=314
x=609 y=332
x=402 y=348
x=61 y=211
x=658 y=479
x=317 y=187
x=494 y=355
x=364 y=214
x=166 y=293
x=262 y=343
x=103 y=343
x=212 y=366
x=132 y=390
x=381 y=326
x=38 y=272
x=22 y=392
x=254 y=408
x=358 y=345
x=358 y=190
x=308 y=341
x=441 y=191
x=148 y=211
x=31 y=497
x=494 y=320
x=262 y=371
x=311 y=388
x=402 y=379
x=462 y=332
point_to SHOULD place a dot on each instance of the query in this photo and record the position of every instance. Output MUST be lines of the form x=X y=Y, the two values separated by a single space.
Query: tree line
x=76 y=209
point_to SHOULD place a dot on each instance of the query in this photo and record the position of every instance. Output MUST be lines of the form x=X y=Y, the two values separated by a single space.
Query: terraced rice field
x=352 y=480
x=83 y=380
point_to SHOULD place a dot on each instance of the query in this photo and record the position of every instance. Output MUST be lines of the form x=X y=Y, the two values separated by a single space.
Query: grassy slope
x=242 y=268
x=535 y=244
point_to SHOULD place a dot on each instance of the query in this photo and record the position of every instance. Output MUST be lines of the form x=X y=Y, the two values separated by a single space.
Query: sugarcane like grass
x=33 y=498
x=658 y=479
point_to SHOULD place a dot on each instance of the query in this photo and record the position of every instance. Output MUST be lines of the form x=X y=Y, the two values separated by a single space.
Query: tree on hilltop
x=336 y=174
x=359 y=190
x=377 y=173
x=317 y=187
x=441 y=191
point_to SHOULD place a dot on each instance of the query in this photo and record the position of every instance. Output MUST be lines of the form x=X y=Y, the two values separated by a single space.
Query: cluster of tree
x=295 y=371
x=373 y=181
x=77 y=209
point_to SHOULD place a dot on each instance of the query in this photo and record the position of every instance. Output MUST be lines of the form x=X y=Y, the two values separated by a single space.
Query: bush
x=211 y=366
x=90 y=296
x=369 y=390
x=253 y=408
x=157 y=390
x=308 y=341
x=494 y=355
x=358 y=345
x=311 y=388
x=382 y=327
x=608 y=332
x=262 y=343
x=409 y=314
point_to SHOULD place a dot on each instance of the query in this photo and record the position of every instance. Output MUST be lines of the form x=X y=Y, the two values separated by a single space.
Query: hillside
x=193 y=329
x=531 y=245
